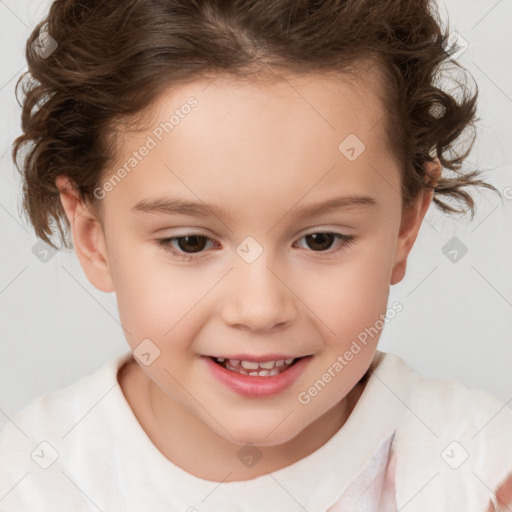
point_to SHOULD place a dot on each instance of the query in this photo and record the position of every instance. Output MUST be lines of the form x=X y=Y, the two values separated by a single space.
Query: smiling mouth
x=252 y=368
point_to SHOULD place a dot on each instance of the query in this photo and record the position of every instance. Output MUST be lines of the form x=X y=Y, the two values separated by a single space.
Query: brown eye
x=194 y=243
x=190 y=246
x=187 y=245
x=320 y=241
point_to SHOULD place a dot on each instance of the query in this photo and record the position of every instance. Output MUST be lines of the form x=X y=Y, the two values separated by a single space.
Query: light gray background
x=457 y=319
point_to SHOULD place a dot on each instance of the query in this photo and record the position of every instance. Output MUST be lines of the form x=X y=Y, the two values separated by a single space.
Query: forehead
x=328 y=101
x=259 y=139
x=331 y=101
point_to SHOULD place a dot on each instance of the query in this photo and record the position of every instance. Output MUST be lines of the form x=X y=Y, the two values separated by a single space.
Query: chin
x=257 y=434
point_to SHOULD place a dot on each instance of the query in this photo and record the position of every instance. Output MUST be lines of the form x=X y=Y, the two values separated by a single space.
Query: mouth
x=257 y=379
x=256 y=368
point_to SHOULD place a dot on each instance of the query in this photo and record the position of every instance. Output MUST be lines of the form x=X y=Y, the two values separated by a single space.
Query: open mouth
x=256 y=369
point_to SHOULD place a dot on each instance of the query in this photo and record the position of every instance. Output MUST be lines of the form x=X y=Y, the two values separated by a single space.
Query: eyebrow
x=175 y=206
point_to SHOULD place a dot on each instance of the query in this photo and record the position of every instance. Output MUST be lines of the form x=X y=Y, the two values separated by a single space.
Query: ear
x=88 y=236
x=412 y=218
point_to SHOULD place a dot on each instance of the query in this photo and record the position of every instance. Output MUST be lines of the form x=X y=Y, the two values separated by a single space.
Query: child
x=199 y=151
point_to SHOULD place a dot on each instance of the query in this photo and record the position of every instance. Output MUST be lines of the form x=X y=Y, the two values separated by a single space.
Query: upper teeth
x=254 y=365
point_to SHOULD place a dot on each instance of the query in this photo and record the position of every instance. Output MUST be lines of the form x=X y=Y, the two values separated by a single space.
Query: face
x=258 y=274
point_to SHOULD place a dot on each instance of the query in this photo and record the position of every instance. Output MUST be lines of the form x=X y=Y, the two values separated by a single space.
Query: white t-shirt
x=81 y=448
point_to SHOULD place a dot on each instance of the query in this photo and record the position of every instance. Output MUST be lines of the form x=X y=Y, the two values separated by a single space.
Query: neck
x=191 y=445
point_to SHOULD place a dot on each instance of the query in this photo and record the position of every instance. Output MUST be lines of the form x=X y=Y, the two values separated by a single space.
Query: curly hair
x=113 y=59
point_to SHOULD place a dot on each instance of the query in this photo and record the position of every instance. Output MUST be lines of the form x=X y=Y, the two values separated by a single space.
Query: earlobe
x=88 y=236
x=412 y=218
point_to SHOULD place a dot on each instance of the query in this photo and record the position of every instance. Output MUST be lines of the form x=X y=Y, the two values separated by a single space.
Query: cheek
x=349 y=296
x=148 y=300
x=160 y=302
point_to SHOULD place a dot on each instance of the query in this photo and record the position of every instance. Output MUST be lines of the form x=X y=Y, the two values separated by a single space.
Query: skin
x=503 y=497
x=260 y=150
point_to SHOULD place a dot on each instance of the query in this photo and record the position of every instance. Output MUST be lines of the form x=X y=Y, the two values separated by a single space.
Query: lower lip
x=253 y=386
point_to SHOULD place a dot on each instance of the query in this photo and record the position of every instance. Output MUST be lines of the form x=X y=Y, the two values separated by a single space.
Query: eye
x=193 y=241
x=196 y=242
x=322 y=239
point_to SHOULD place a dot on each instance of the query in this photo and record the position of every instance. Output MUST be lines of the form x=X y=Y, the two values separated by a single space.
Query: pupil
x=194 y=245
x=322 y=237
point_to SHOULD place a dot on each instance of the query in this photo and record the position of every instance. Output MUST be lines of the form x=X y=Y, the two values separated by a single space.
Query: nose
x=257 y=297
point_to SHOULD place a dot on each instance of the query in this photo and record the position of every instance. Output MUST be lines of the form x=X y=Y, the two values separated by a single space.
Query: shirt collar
x=312 y=483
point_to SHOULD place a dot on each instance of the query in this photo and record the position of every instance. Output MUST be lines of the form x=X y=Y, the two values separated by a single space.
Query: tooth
x=220 y=359
x=249 y=365
x=270 y=368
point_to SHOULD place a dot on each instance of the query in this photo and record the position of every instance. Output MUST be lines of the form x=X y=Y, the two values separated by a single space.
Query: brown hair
x=114 y=59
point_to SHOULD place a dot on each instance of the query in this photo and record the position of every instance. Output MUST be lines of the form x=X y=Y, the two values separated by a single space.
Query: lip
x=256 y=358
x=257 y=387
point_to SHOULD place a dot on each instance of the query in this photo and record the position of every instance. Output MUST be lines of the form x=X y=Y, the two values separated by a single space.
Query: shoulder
x=40 y=442
x=441 y=405
x=446 y=404
x=452 y=441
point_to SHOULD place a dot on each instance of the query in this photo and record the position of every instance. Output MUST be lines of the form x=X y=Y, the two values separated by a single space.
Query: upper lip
x=258 y=358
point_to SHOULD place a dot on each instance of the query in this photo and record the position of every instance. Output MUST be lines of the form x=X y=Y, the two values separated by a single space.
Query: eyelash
x=165 y=243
